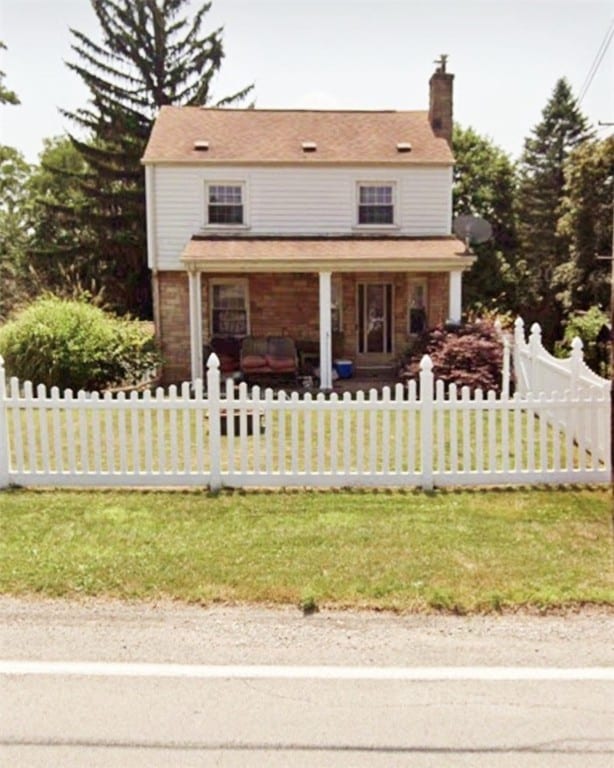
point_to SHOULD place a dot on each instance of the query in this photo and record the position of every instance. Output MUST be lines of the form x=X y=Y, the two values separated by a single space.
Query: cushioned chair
x=253 y=355
x=281 y=355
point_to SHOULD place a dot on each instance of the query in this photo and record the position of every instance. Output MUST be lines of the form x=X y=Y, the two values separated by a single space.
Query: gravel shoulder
x=100 y=630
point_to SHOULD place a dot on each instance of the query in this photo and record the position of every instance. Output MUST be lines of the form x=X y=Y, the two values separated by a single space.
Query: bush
x=72 y=344
x=471 y=355
x=589 y=327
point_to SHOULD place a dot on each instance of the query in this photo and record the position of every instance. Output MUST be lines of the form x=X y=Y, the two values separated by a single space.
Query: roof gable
x=254 y=136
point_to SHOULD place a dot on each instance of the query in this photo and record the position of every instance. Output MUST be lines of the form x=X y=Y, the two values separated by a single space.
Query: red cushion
x=253 y=361
x=227 y=363
x=281 y=364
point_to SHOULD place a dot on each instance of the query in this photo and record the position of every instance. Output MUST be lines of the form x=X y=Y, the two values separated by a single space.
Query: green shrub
x=588 y=326
x=72 y=344
x=470 y=355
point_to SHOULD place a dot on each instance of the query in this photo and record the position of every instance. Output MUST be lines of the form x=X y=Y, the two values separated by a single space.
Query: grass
x=461 y=551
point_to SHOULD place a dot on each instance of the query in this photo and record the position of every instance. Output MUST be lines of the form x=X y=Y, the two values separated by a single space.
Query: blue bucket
x=344 y=368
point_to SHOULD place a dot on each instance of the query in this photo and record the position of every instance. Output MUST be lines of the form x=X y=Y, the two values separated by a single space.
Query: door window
x=374 y=318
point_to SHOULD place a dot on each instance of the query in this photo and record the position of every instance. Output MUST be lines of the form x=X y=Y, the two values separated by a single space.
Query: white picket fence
x=536 y=370
x=421 y=435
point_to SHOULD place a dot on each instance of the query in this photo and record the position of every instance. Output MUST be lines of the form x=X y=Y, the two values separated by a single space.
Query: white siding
x=308 y=201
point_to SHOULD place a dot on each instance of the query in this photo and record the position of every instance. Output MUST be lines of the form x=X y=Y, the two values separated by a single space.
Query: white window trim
x=244 y=198
x=242 y=281
x=395 y=204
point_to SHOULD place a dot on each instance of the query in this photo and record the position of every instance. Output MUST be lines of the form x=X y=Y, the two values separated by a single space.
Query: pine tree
x=542 y=247
x=6 y=96
x=586 y=222
x=150 y=55
x=14 y=221
x=484 y=182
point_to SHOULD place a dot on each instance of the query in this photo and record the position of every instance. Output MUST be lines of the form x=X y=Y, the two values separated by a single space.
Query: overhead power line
x=605 y=44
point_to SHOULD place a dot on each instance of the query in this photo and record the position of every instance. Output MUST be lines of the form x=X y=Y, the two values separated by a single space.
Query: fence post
x=505 y=381
x=426 y=421
x=576 y=359
x=213 y=397
x=535 y=348
x=4 y=429
x=519 y=345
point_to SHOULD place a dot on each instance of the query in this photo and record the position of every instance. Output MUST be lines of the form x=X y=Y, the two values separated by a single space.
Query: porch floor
x=364 y=380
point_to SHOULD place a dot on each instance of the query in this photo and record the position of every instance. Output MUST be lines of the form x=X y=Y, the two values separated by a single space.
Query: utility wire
x=605 y=44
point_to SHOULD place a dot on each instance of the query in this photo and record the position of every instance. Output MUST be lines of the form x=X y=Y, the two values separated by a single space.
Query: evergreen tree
x=55 y=233
x=150 y=55
x=6 y=96
x=484 y=181
x=542 y=246
x=586 y=222
x=14 y=176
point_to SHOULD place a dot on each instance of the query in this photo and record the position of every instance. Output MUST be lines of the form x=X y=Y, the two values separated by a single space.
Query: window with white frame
x=229 y=308
x=375 y=204
x=417 y=308
x=225 y=204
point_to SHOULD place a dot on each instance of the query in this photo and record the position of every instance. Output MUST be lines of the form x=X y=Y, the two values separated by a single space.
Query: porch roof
x=325 y=254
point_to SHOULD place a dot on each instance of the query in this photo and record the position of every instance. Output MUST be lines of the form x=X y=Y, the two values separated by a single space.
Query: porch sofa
x=268 y=356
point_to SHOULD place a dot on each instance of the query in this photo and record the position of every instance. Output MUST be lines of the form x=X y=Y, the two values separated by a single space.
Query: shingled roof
x=251 y=136
x=313 y=254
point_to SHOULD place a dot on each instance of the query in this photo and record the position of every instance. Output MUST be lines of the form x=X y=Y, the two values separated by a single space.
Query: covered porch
x=356 y=287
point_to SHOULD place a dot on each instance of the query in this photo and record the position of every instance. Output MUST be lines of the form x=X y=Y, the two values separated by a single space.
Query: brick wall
x=438 y=298
x=171 y=310
x=284 y=304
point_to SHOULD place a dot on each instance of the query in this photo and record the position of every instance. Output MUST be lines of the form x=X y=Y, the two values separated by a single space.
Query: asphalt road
x=184 y=696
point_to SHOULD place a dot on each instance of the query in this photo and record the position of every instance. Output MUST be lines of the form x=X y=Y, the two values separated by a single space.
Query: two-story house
x=319 y=225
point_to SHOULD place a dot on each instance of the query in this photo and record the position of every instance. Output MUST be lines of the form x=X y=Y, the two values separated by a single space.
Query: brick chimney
x=440 y=104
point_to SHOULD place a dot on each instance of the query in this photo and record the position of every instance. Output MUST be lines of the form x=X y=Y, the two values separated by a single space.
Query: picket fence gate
x=420 y=435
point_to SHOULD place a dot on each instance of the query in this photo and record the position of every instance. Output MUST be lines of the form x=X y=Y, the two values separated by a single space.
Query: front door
x=374 y=319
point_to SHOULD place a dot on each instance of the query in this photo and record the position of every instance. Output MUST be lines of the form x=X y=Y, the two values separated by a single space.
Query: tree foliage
x=589 y=327
x=58 y=232
x=484 y=183
x=542 y=246
x=14 y=221
x=6 y=96
x=586 y=224
x=150 y=55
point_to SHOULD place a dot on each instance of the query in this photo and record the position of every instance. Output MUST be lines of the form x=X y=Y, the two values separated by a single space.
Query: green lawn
x=408 y=551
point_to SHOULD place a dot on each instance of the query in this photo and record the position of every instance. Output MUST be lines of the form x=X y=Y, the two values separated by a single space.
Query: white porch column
x=326 y=347
x=196 y=325
x=455 y=299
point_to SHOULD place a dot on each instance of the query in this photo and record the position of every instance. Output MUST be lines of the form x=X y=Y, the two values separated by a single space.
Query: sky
x=506 y=56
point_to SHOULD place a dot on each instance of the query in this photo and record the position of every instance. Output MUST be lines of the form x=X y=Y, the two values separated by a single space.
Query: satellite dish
x=472 y=230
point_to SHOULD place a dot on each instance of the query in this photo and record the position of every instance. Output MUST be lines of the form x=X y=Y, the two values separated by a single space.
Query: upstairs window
x=375 y=204
x=225 y=204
